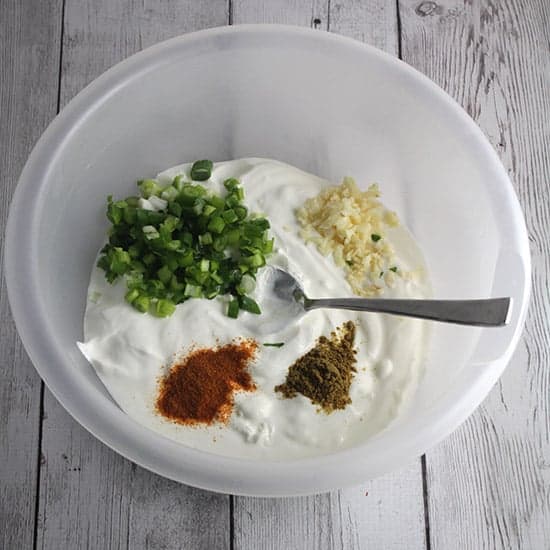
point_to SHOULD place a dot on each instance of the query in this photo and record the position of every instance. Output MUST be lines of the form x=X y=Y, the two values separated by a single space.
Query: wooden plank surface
x=487 y=486
x=90 y=497
x=489 y=483
x=349 y=518
x=29 y=60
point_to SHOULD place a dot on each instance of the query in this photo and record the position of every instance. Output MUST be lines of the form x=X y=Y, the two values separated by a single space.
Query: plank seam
x=38 y=466
x=231 y=522
x=399 y=38
x=42 y=387
x=426 y=507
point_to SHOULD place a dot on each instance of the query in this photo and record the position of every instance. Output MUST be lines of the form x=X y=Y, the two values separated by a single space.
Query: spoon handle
x=492 y=312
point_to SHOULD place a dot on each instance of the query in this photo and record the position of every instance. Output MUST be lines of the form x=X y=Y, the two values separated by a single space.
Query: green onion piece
x=192 y=291
x=215 y=277
x=216 y=224
x=375 y=237
x=178 y=182
x=170 y=193
x=217 y=202
x=204 y=266
x=186 y=259
x=238 y=192
x=233 y=309
x=241 y=212
x=148 y=259
x=201 y=170
x=256 y=260
x=231 y=184
x=248 y=304
x=150 y=232
x=205 y=238
x=164 y=274
x=394 y=269
x=267 y=247
x=233 y=236
x=208 y=210
x=230 y=216
x=149 y=187
x=274 y=345
x=131 y=295
x=163 y=308
x=247 y=285
x=141 y=303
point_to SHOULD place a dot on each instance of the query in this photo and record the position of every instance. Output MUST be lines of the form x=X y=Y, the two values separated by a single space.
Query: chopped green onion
x=193 y=291
x=216 y=224
x=170 y=193
x=205 y=238
x=248 y=304
x=375 y=237
x=163 y=308
x=131 y=295
x=186 y=259
x=233 y=308
x=230 y=216
x=179 y=241
x=231 y=184
x=150 y=232
x=201 y=170
x=178 y=182
x=394 y=269
x=247 y=285
x=164 y=274
x=149 y=188
x=208 y=210
x=141 y=303
x=274 y=345
x=241 y=212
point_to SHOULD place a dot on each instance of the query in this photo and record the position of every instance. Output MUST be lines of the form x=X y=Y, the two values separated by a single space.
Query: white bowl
x=324 y=103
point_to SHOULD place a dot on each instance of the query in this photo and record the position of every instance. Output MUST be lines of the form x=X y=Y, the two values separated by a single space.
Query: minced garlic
x=351 y=224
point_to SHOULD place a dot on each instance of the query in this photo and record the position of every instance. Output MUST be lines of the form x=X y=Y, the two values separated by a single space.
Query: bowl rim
x=154 y=452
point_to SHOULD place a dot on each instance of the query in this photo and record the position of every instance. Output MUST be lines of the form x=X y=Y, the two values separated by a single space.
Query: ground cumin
x=324 y=374
x=199 y=389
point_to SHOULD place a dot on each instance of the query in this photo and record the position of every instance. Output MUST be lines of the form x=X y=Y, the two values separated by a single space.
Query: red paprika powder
x=199 y=389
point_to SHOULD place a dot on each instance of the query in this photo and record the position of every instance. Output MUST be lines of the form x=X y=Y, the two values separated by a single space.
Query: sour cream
x=131 y=351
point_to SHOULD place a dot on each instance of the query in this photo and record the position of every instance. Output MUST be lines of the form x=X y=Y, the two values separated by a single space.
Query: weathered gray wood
x=90 y=497
x=348 y=518
x=489 y=483
x=383 y=513
x=309 y=13
x=372 y=22
x=29 y=63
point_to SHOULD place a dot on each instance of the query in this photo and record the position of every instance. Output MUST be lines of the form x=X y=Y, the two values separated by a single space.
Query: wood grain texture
x=358 y=518
x=29 y=62
x=348 y=518
x=489 y=483
x=308 y=13
x=372 y=22
x=90 y=497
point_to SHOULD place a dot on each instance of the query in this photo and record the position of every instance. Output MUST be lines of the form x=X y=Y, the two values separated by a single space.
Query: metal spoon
x=491 y=312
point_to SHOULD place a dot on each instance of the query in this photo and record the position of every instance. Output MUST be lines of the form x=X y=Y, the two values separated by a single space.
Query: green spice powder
x=324 y=374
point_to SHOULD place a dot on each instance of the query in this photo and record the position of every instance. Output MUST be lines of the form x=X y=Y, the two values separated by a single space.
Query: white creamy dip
x=130 y=351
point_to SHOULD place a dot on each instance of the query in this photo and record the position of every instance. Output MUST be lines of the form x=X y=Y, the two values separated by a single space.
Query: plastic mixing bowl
x=327 y=104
